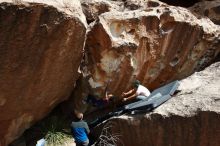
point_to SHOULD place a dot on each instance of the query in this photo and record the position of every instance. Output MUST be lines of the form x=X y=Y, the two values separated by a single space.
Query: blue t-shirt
x=80 y=130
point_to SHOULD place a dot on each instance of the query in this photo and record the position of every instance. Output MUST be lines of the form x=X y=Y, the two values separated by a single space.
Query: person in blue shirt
x=80 y=131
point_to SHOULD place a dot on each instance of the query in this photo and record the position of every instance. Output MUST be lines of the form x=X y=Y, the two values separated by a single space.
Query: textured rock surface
x=156 y=45
x=93 y=8
x=41 y=48
x=190 y=118
x=209 y=9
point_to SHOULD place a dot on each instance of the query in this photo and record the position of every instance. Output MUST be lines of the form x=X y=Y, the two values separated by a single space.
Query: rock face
x=41 y=48
x=209 y=9
x=190 y=118
x=93 y=8
x=156 y=44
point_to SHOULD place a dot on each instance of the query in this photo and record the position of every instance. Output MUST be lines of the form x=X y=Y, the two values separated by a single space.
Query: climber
x=80 y=131
x=91 y=99
x=98 y=102
x=139 y=92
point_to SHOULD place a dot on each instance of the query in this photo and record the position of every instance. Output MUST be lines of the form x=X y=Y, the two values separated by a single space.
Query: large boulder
x=156 y=45
x=189 y=118
x=209 y=9
x=93 y=8
x=41 y=47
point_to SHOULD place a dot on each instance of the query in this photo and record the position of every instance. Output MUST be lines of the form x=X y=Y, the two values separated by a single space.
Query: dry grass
x=107 y=138
x=56 y=131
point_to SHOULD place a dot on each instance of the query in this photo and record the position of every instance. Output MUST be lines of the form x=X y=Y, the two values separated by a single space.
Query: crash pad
x=156 y=98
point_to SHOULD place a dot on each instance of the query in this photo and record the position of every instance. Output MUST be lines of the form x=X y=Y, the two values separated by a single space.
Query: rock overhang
x=124 y=32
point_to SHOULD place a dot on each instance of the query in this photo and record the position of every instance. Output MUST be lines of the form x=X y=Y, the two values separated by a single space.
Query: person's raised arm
x=108 y=95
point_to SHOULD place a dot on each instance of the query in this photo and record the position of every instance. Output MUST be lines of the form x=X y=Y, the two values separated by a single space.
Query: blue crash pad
x=168 y=89
x=156 y=98
x=163 y=92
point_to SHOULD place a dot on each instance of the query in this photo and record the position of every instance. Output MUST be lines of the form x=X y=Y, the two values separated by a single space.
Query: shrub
x=56 y=131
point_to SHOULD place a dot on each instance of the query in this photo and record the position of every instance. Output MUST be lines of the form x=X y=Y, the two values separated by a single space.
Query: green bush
x=56 y=131
x=57 y=138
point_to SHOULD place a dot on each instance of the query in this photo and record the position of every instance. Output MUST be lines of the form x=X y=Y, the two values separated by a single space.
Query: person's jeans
x=85 y=143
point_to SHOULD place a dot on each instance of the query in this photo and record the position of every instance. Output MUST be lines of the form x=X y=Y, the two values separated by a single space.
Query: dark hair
x=136 y=83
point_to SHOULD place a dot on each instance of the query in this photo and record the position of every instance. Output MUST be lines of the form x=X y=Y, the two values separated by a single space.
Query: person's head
x=136 y=83
x=79 y=115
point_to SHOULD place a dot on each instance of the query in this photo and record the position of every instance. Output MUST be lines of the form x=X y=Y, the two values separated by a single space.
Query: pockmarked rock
x=41 y=47
x=93 y=8
x=191 y=117
x=156 y=45
x=210 y=9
